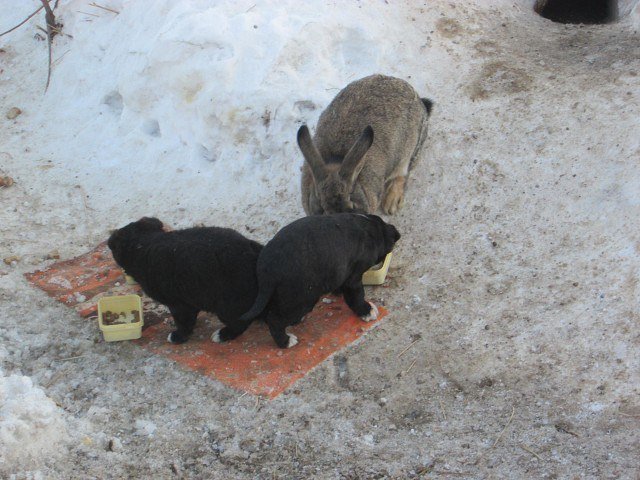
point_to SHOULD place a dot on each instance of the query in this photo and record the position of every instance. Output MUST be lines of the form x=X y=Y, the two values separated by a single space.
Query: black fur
x=313 y=256
x=203 y=268
x=428 y=104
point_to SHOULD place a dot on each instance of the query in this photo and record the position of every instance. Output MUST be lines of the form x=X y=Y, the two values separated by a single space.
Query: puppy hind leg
x=279 y=334
x=184 y=317
x=394 y=195
x=373 y=313
x=354 y=296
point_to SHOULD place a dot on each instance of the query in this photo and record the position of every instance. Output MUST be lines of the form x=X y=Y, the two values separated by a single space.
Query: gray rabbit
x=365 y=144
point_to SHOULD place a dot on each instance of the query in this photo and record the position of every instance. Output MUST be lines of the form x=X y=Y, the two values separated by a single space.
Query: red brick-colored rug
x=251 y=363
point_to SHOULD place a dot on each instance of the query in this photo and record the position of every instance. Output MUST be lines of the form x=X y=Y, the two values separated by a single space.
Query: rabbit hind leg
x=394 y=195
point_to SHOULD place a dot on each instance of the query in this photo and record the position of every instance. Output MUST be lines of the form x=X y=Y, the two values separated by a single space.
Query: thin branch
x=51 y=25
x=406 y=349
x=513 y=411
x=22 y=22
x=411 y=366
x=444 y=413
x=629 y=415
x=69 y=358
x=94 y=4
x=49 y=16
x=530 y=451
x=57 y=60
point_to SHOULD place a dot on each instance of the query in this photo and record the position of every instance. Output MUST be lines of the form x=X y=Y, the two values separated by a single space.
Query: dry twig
x=513 y=411
x=94 y=4
x=406 y=349
x=444 y=413
x=530 y=451
x=54 y=379
x=411 y=366
x=22 y=22
x=55 y=62
x=69 y=358
x=629 y=415
x=445 y=472
x=51 y=25
x=52 y=29
x=87 y=13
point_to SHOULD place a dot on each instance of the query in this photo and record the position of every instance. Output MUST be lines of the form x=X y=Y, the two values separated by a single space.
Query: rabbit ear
x=311 y=154
x=354 y=159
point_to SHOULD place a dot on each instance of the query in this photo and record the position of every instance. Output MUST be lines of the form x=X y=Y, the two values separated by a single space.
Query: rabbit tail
x=428 y=104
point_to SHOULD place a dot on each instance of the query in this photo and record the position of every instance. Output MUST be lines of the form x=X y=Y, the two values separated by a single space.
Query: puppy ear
x=395 y=234
x=150 y=224
x=115 y=241
x=113 y=238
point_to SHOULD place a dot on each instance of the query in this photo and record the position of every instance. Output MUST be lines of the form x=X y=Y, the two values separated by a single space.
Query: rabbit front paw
x=394 y=196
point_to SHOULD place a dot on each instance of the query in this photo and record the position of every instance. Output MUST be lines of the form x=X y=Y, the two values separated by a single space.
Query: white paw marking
x=373 y=314
x=293 y=340
x=215 y=336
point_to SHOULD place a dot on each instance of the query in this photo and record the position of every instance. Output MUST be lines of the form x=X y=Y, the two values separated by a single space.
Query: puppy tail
x=264 y=295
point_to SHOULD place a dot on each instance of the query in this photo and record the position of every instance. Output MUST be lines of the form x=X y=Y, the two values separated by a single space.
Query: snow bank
x=196 y=106
x=220 y=79
x=32 y=427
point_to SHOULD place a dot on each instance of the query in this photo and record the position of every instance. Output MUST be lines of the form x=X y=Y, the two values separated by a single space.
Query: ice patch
x=368 y=439
x=145 y=428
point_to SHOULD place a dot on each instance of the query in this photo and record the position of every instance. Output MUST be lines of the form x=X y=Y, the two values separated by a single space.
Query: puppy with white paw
x=313 y=256
x=196 y=269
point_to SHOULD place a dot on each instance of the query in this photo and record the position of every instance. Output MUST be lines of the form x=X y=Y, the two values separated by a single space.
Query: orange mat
x=251 y=363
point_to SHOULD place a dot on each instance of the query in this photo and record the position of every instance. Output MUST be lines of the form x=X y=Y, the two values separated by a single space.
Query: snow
x=145 y=427
x=32 y=426
x=518 y=261
x=196 y=102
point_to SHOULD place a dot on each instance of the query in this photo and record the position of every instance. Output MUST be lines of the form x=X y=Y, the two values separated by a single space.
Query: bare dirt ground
x=514 y=288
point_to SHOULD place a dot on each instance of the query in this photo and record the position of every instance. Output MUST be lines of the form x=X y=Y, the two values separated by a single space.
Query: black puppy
x=313 y=256
x=204 y=268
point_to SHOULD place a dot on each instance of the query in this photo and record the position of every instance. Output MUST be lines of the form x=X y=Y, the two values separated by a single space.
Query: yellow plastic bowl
x=124 y=331
x=376 y=276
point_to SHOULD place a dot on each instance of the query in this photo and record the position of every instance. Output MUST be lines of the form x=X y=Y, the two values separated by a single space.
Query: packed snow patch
x=32 y=426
